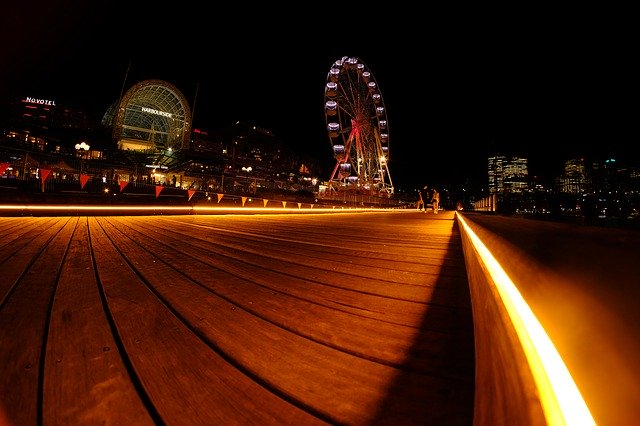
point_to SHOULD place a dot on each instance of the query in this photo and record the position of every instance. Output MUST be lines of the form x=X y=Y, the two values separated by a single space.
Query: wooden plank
x=415 y=285
x=16 y=258
x=401 y=237
x=349 y=330
x=23 y=330
x=85 y=379
x=212 y=320
x=184 y=376
x=422 y=254
x=17 y=236
x=9 y=225
x=296 y=364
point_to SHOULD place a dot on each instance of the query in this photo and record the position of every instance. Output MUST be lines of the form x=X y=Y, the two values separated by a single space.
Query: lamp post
x=82 y=149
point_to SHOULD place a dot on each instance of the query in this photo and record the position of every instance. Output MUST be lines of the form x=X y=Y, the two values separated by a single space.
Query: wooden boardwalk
x=354 y=318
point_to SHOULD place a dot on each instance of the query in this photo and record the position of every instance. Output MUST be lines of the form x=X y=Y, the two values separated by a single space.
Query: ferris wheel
x=356 y=121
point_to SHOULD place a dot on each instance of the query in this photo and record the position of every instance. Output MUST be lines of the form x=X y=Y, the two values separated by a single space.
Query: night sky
x=458 y=85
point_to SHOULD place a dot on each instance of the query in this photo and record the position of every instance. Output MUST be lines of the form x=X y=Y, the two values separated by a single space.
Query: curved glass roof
x=154 y=112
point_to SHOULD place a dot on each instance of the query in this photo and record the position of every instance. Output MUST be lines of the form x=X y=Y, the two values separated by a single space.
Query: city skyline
x=454 y=94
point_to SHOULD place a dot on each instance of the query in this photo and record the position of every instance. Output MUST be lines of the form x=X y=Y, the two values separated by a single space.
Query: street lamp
x=82 y=149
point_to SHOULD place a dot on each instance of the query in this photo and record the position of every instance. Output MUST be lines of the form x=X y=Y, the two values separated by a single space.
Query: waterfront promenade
x=337 y=318
x=360 y=317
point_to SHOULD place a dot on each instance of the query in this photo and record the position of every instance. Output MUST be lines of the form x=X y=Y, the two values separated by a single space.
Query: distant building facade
x=43 y=125
x=147 y=137
x=574 y=180
x=507 y=174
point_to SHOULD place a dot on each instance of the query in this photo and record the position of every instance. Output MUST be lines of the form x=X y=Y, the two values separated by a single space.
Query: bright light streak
x=561 y=400
x=183 y=209
x=89 y=208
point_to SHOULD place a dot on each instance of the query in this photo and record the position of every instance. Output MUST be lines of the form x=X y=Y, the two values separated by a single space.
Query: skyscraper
x=507 y=174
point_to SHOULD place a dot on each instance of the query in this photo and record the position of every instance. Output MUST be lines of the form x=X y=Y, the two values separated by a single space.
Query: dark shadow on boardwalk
x=454 y=323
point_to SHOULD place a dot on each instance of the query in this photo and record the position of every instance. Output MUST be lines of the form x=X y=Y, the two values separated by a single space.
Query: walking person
x=435 y=201
x=424 y=196
x=420 y=203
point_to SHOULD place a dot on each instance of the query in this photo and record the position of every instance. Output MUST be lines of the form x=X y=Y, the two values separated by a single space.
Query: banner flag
x=83 y=180
x=265 y=202
x=190 y=192
x=44 y=174
x=3 y=167
x=284 y=204
x=244 y=200
x=220 y=197
x=159 y=189
x=299 y=205
x=123 y=183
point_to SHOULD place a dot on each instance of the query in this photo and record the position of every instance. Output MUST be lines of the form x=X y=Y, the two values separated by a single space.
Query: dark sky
x=458 y=85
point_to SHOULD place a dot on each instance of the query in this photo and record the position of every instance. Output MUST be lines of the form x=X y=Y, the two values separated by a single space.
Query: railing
x=25 y=172
x=517 y=367
x=551 y=304
x=486 y=204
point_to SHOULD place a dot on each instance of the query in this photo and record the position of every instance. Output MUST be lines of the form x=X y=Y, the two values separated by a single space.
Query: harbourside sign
x=156 y=112
x=39 y=101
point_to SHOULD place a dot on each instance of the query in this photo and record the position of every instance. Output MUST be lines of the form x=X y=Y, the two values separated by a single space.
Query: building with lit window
x=146 y=138
x=507 y=174
x=574 y=180
x=43 y=125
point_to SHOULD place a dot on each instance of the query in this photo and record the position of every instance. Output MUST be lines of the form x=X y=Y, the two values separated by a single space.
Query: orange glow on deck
x=561 y=400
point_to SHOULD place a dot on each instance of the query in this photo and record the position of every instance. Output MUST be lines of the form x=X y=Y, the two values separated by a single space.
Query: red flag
x=123 y=183
x=220 y=197
x=44 y=174
x=244 y=200
x=190 y=192
x=158 y=190
x=83 y=180
x=3 y=167
x=265 y=202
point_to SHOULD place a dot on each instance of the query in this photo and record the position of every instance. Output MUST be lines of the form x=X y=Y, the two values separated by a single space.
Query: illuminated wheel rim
x=356 y=122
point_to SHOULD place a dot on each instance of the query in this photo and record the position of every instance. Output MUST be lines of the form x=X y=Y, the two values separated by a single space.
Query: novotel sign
x=39 y=101
x=156 y=112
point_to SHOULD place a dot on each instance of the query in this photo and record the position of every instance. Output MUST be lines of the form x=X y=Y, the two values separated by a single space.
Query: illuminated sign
x=39 y=101
x=156 y=112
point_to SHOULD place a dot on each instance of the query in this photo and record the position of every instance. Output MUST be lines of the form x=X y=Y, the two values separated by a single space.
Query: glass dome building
x=151 y=116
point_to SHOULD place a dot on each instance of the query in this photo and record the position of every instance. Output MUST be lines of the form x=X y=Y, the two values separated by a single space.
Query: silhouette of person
x=420 y=202
x=424 y=195
x=435 y=201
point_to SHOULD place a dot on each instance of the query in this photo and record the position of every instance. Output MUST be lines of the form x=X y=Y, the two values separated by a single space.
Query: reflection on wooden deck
x=357 y=318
